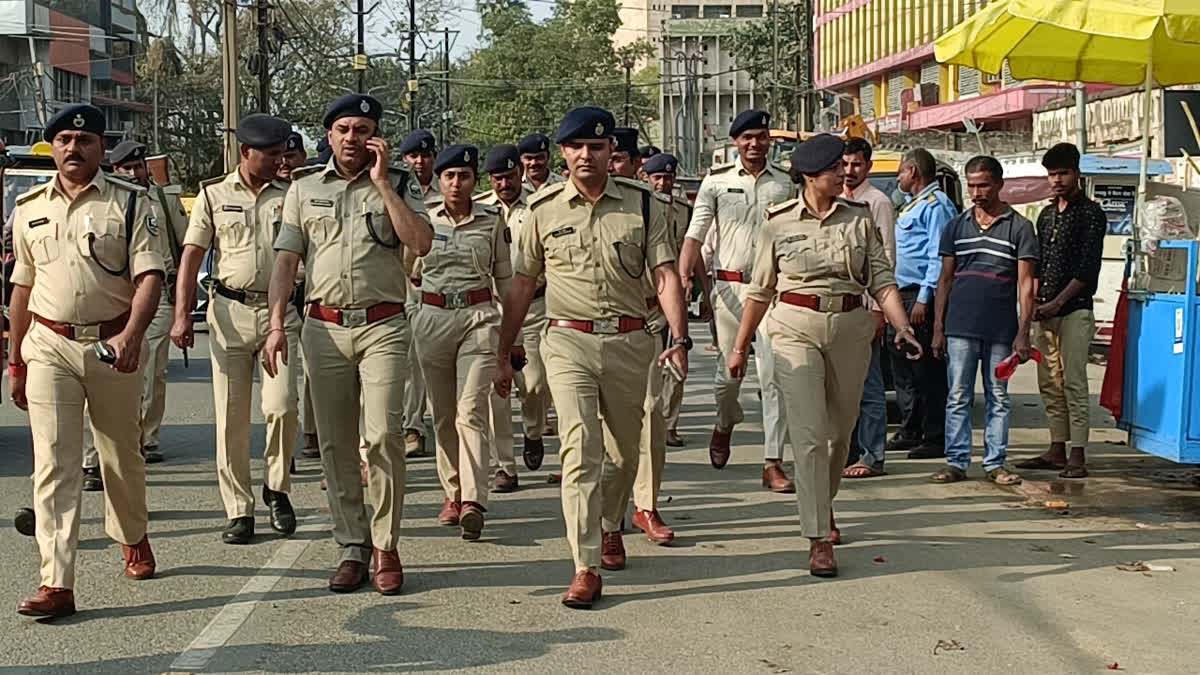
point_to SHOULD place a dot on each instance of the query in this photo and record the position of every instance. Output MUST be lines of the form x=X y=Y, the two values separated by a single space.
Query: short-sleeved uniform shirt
x=171 y=213
x=597 y=256
x=514 y=216
x=63 y=247
x=801 y=252
x=551 y=179
x=734 y=200
x=466 y=255
x=983 y=301
x=241 y=226
x=341 y=228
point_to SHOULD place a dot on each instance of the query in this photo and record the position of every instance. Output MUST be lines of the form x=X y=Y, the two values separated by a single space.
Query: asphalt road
x=961 y=578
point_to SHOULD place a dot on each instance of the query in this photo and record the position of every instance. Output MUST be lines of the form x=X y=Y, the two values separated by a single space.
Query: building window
x=866 y=99
x=749 y=11
x=895 y=85
x=685 y=11
x=968 y=81
x=69 y=87
x=717 y=11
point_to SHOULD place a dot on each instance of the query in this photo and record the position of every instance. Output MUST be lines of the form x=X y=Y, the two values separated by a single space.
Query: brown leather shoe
x=310 y=450
x=471 y=521
x=389 y=573
x=674 y=440
x=504 y=482
x=821 y=562
x=349 y=576
x=652 y=524
x=612 y=551
x=139 y=560
x=776 y=480
x=835 y=535
x=49 y=601
x=450 y=513
x=585 y=588
x=718 y=447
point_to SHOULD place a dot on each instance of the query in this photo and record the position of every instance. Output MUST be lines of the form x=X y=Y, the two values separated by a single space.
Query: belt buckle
x=353 y=318
x=606 y=326
x=455 y=300
x=254 y=297
x=88 y=332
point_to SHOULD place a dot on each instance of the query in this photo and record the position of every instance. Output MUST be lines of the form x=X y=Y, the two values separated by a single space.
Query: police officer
x=417 y=148
x=645 y=152
x=456 y=331
x=509 y=194
x=732 y=198
x=603 y=245
x=625 y=160
x=238 y=215
x=89 y=271
x=816 y=255
x=351 y=221
x=535 y=160
x=294 y=156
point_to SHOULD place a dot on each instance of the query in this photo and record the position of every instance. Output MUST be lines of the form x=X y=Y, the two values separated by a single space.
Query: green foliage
x=753 y=51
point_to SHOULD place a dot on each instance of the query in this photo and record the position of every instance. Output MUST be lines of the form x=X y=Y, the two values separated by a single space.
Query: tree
x=753 y=51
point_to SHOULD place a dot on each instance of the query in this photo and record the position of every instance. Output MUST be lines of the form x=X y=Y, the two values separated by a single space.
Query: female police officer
x=816 y=254
x=457 y=331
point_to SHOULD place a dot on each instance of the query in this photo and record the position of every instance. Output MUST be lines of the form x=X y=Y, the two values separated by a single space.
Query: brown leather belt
x=849 y=302
x=539 y=293
x=355 y=317
x=730 y=275
x=460 y=300
x=97 y=331
x=621 y=324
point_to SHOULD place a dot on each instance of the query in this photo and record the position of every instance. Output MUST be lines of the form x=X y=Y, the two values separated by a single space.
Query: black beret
x=648 y=151
x=353 y=105
x=456 y=156
x=627 y=139
x=818 y=153
x=502 y=158
x=586 y=123
x=661 y=163
x=748 y=120
x=295 y=142
x=533 y=144
x=261 y=130
x=418 y=140
x=127 y=151
x=75 y=118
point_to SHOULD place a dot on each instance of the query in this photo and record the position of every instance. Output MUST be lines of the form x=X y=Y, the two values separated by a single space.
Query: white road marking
x=231 y=617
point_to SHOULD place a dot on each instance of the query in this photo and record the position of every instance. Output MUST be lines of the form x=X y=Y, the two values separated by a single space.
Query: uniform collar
x=235 y=179
x=99 y=182
x=838 y=203
x=610 y=189
x=331 y=168
x=927 y=190
x=476 y=210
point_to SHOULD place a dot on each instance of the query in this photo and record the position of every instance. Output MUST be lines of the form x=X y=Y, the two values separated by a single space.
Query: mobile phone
x=674 y=371
x=518 y=362
x=105 y=353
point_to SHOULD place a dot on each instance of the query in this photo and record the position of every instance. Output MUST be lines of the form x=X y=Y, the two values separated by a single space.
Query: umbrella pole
x=1147 y=106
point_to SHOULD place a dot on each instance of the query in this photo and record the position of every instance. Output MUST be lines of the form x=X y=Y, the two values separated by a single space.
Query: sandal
x=950 y=474
x=1040 y=463
x=1002 y=476
x=1073 y=471
x=860 y=470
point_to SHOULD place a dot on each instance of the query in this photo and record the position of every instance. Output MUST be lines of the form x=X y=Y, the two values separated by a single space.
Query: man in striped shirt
x=989 y=254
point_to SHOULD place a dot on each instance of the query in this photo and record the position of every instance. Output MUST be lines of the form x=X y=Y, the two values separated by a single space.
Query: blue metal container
x=1161 y=405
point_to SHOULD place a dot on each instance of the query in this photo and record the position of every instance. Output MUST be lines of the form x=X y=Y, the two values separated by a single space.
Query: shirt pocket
x=43 y=243
x=732 y=206
x=564 y=249
x=477 y=252
x=627 y=253
x=235 y=239
x=102 y=239
x=851 y=245
x=803 y=257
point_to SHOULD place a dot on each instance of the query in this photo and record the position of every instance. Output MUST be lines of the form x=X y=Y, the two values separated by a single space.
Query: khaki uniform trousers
x=594 y=377
x=1062 y=375
x=238 y=333
x=671 y=401
x=62 y=376
x=416 y=395
x=346 y=361
x=652 y=450
x=308 y=420
x=821 y=361
x=531 y=381
x=727 y=313
x=457 y=349
x=502 y=455
x=154 y=391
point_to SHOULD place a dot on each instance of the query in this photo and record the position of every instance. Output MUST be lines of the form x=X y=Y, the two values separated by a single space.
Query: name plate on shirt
x=231 y=207
x=563 y=232
x=39 y=221
x=737 y=190
x=321 y=202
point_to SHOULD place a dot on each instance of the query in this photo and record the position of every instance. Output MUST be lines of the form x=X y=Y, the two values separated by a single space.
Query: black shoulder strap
x=645 y=221
x=130 y=208
x=169 y=224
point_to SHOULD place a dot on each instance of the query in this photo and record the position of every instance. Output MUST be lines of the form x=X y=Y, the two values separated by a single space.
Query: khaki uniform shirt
x=680 y=220
x=596 y=257
x=170 y=214
x=328 y=220
x=242 y=226
x=552 y=179
x=467 y=255
x=731 y=198
x=61 y=243
x=514 y=218
x=799 y=252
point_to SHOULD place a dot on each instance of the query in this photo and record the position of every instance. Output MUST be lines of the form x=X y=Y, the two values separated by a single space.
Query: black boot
x=239 y=531
x=283 y=517
x=535 y=452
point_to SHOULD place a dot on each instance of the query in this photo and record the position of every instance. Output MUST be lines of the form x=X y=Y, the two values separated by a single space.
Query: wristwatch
x=685 y=342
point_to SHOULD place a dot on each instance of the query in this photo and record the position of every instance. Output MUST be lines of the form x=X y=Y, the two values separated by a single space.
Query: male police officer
x=599 y=241
x=535 y=160
x=294 y=156
x=418 y=149
x=89 y=270
x=734 y=197
x=351 y=220
x=238 y=215
x=625 y=159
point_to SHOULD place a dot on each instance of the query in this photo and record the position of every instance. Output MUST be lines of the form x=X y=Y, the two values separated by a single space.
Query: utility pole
x=1081 y=130
x=774 y=59
x=39 y=82
x=804 y=61
x=361 y=51
x=412 y=65
x=229 y=81
x=446 y=86
x=155 y=134
x=262 y=63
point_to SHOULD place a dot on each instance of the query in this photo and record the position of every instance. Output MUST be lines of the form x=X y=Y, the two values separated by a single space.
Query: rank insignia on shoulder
x=152 y=225
x=563 y=232
x=321 y=202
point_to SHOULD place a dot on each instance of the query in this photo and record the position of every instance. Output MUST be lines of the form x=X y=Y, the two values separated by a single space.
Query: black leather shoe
x=535 y=452
x=92 y=482
x=927 y=451
x=25 y=522
x=283 y=516
x=152 y=454
x=239 y=531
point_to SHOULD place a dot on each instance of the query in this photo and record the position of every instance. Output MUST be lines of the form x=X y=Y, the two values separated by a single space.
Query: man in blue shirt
x=920 y=384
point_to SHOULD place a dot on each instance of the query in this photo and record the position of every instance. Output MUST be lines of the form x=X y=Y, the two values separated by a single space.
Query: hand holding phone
x=105 y=353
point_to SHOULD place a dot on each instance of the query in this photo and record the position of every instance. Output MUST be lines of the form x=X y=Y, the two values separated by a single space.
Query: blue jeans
x=870 y=436
x=964 y=357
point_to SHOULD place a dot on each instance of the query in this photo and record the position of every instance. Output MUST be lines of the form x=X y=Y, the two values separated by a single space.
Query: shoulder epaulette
x=489 y=209
x=631 y=182
x=403 y=167
x=853 y=202
x=931 y=198
x=483 y=197
x=34 y=191
x=775 y=209
x=305 y=171
x=721 y=167
x=217 y=179
x=124 y=183
x=778 y=167
x=545 y=192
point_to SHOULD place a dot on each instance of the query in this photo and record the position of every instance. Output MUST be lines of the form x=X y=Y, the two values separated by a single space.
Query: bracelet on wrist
x=276 y=330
